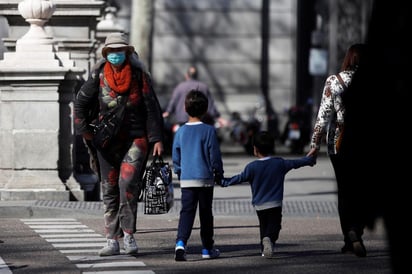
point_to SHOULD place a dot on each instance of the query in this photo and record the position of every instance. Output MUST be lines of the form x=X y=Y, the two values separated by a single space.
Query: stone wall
x=224 y=39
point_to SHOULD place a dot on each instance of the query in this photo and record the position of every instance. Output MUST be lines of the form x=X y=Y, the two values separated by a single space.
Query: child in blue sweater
x=266 y=176
x=197 y=161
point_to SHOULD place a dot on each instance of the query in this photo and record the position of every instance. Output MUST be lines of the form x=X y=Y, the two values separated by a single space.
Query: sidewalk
x=309 y=192
x=309 y=242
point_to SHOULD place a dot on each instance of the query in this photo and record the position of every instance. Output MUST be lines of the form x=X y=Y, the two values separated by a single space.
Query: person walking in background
x=176 y=106
x=266 y=177
x=121 y=77
x=329 y=122
x=197 y=161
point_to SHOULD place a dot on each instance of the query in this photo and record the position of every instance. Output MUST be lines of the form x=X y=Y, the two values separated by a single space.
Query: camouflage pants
x=122 y=169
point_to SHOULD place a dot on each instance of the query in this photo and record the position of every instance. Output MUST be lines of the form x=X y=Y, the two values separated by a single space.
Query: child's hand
x=224 y=182
x=313 y=160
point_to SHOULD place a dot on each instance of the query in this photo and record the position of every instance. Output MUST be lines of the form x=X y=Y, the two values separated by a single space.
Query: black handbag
x=108 y=127
x=157 y=189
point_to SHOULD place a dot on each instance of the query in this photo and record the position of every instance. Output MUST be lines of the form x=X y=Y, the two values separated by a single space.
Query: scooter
x=296 y=133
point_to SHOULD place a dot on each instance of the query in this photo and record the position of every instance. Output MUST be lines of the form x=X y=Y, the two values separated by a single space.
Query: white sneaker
x=130 y=245
x=112 y=248
x=267 y=247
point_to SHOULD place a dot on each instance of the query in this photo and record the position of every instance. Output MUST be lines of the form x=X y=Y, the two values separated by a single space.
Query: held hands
x=220 y=180
x=217 y=177
x=313 y=153
x=313 y=160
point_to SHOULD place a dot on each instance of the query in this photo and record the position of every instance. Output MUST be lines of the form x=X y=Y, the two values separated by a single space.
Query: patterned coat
x=331 y=113
x=143 y=114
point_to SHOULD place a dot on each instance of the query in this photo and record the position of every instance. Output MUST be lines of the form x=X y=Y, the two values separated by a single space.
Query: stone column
x=36 y=90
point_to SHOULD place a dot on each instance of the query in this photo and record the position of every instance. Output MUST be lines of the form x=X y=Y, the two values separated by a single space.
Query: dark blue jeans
x=191 y=197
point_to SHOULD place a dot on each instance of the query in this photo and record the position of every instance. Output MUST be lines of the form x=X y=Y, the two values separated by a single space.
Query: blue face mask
x=116 y=58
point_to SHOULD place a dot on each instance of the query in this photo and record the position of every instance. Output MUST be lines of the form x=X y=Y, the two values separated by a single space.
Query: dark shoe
x=347 y=249
x=357 y=245
x=359 y=249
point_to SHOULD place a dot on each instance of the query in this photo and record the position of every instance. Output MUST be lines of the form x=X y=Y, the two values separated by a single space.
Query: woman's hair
x=354 y=56
x=196 y=103
x=264 y=142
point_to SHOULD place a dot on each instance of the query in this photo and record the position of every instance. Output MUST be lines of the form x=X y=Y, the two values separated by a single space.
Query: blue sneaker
x=180 y=252
x=210 y=254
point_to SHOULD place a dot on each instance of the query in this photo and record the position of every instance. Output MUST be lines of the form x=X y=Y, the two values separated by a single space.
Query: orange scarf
x=118 y=81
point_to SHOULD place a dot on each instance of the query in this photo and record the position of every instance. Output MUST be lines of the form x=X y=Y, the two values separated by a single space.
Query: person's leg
x=207 y=223
x=270 y=221
x=206 y=217
x=134 y=162
x=110 y=189
x=131 y=169
x=189 y=200
x=349 y=209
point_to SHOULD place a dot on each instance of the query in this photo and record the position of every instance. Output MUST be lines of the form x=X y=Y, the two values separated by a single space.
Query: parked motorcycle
x=296 y=134
x=241 y=132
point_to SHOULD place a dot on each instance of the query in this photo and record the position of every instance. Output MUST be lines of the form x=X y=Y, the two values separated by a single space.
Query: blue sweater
x=266 y=177
x=196 y=154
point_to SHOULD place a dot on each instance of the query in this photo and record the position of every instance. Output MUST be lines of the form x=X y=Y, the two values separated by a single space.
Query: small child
x=197 y=161
x=266 y=177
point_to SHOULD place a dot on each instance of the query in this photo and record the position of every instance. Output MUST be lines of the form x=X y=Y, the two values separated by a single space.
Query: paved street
x=47 y=236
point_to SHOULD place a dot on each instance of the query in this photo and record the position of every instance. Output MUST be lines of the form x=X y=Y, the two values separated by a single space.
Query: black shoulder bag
x=108 y=127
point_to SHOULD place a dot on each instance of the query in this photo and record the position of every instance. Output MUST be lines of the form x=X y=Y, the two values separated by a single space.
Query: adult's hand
x=313 y=152
x=158 y=149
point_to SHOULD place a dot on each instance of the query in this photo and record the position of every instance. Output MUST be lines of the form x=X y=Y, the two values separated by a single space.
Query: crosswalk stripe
x=110 y=264
x=79 y=245
x=99 y=258
x=121 y=272
x=4 y=268
x=63 y=230
x=48 y=220
x=57 y=226
x=52 y=223
x=72 y=237
x=76 y=240
x=79 y=251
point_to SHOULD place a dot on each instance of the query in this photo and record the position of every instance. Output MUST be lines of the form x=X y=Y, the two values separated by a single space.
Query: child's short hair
x=264 y=142
x=196 y=103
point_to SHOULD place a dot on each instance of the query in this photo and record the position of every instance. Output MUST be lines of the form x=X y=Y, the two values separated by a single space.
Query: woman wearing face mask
x=121 y=79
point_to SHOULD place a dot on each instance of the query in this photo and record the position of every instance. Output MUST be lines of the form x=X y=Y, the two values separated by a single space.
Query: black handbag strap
x=121 y=106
